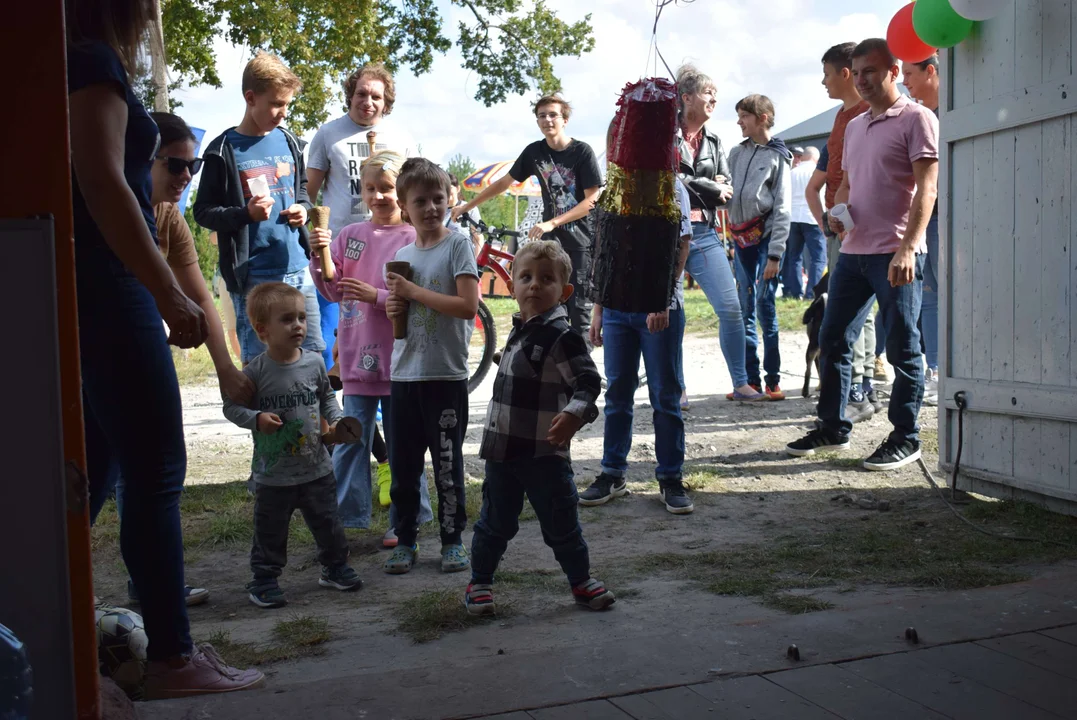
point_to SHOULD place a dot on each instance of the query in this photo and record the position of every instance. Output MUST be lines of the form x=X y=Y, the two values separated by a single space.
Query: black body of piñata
x=635 y=264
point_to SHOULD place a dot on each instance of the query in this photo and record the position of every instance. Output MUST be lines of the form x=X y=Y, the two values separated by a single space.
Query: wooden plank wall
x=1009 y=257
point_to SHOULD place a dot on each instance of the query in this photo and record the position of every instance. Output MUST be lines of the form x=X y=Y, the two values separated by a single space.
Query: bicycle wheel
x=483 y=344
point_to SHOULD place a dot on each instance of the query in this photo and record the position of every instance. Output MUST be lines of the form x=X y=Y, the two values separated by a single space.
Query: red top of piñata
x=645 y=126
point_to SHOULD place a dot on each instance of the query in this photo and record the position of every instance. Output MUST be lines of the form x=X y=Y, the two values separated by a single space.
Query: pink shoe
x=201 y=673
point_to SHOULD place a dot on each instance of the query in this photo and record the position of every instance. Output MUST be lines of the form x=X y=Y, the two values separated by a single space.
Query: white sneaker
x=931 y=388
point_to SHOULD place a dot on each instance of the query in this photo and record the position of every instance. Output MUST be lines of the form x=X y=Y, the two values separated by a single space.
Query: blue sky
x=767 y=46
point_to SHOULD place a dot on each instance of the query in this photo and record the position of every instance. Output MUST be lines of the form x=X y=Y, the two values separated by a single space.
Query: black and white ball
x=121 y=648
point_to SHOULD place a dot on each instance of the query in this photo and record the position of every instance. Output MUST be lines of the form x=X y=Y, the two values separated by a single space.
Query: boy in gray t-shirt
x=428 y=392
x=291 y=466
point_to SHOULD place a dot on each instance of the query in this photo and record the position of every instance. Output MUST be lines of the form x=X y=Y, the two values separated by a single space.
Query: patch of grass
x=229 y=529
x=893 y=549
x=299 y=636
x=699 y=315
x=840 y=461
x=195 y=367
x=434 y=613
x=929 y=440
x=550 y=581
x=795 y=604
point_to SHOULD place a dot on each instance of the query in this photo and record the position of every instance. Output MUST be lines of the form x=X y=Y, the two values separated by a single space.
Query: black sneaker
x=266 y=593
x=891 y=455
x=818 y=439
x=859 y=411
x=603 y=489
x=873 y=398
x=340 y=578
x=675 y=497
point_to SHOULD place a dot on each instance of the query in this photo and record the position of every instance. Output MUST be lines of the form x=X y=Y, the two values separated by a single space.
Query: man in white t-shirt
x=337 y=153
x=804 y=232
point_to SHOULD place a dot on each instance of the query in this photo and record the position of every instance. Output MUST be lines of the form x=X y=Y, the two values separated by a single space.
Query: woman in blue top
x=131 y=400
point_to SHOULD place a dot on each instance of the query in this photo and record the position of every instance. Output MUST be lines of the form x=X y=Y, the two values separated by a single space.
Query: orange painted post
x=35 y=36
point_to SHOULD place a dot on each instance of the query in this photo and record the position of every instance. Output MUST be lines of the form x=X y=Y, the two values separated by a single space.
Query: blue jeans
x=709 y=267
x=548 y=484
x=803 y=236
x=625 y=338
x=330 y=318
x=134 y=427
x=351 y=465
x=855 y=279
x=929 y=314
x=249 y=343
x=757 y=296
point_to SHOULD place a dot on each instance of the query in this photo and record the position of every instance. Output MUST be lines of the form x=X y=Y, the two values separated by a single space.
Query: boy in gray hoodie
x=759 y=214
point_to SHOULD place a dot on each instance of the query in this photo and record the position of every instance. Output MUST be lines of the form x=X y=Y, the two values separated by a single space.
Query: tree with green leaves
x=509 y=44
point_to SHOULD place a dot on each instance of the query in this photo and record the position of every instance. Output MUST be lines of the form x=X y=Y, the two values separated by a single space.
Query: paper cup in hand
x=400 y=322
x=319 y=218
x=258 y=185
x=841 y=214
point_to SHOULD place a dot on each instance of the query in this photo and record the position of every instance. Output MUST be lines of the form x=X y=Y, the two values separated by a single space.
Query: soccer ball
x=121 y=648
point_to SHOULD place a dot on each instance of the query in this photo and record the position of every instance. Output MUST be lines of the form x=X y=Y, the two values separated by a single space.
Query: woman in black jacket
x=704 y=170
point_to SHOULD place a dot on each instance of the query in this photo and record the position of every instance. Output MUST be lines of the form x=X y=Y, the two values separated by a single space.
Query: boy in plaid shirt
x=544 y=392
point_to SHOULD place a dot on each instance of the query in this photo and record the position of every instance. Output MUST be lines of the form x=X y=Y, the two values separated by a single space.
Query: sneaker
x=603 y=489
x=741 y=396
x=818 y=439
x=340 y=578
x=192 y=595
x=880 y=370
x=388 y=540
x=675 y=497
x=857 y=408
x=685 y=407
x=454 y=558
x=385 y=482
x=203 y=672
x=892 y=455
x=931 y=388
x=402 y=559
x=479 y=599
x=266 y=594
x=774 y=392
x=593 y=594
x=873 y=398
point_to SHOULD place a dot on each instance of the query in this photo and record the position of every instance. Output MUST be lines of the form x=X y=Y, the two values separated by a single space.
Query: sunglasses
x=176 y=165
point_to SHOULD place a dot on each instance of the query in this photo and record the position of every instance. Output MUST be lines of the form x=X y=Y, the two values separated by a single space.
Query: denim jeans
x=757 y=297
x=929 y=314
x=625 y=338
x=330 y=318
x=134 y=427
x=249 y=343
x=803 y=236
x=351 y=465
x=548 y=484
x=709 y=267
x=852 y=284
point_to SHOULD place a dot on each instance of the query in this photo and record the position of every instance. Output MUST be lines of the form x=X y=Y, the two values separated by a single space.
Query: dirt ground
x=757 y=509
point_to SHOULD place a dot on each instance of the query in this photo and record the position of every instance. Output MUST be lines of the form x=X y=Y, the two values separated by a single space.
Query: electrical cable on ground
x=962 y=404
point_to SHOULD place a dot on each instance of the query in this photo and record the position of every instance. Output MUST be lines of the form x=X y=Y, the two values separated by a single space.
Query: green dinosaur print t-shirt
x=300 y=395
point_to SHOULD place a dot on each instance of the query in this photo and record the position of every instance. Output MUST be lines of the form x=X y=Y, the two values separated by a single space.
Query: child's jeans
x=548 y=484
x=351 y=465
x=273 y=509
x=249 y=343
x=757 y=299
x=625 y=338
x=428 y=415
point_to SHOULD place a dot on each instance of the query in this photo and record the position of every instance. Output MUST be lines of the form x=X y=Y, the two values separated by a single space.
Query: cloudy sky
x=767 y=46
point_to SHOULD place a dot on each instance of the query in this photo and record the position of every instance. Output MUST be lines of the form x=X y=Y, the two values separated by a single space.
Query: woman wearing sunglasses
x=173 y=168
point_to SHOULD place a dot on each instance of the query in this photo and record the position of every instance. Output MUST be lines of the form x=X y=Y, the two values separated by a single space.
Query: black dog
x=813 y=319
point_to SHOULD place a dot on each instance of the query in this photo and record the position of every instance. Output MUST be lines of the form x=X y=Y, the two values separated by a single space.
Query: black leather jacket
x=698 y=176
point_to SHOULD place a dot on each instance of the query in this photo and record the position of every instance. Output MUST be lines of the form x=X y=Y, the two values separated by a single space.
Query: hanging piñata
x=638 y=218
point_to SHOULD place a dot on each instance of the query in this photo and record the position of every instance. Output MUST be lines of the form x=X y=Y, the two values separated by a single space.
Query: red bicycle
x=493 y=256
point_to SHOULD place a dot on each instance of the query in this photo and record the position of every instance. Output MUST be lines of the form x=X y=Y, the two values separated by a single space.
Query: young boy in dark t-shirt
x=568 y=172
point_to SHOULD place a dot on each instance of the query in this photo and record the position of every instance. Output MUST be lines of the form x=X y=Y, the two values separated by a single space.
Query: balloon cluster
x=919 y=28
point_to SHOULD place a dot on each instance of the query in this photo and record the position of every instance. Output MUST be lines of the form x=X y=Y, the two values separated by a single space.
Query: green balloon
x=938 y=24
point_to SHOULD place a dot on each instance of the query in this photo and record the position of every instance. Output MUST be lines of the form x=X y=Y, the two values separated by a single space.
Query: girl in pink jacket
x=365 y=334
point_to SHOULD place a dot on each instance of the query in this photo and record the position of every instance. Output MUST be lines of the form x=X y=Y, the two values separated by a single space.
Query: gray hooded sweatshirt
x=762 y=184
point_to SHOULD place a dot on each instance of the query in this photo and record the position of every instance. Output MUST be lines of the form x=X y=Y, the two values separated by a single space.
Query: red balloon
x=903 y=40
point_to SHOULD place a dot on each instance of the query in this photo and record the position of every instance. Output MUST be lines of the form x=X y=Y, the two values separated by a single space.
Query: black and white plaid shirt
x=545 y=370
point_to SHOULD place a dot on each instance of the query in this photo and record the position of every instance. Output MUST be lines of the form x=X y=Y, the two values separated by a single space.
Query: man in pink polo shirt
x=890 y=185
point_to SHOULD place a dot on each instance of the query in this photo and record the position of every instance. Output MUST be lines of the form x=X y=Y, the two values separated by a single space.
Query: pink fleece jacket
x=365 y=334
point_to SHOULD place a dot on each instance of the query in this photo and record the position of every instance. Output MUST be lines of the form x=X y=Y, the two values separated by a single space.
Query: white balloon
x=978 y=9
